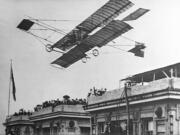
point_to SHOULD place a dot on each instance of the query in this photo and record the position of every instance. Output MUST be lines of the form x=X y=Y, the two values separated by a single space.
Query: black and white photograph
x=89 y=67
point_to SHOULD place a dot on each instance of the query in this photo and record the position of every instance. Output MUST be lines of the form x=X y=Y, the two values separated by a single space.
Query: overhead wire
x=53 y=29
x=117 y=48
x=39 y=29
x=120 y=45
x=128 y=39
x=50 y=35
x=37 y=38
x=47 y=26
x=40 y=37
x=55 y=20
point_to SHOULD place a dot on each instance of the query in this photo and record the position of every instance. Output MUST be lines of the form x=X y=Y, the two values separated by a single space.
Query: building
x=62 y=119
x=152 y=105
x=19 y=125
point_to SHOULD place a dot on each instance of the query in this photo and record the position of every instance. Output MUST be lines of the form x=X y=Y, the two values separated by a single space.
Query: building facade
x=151 y=107
x=19 y=125
x=60 y=120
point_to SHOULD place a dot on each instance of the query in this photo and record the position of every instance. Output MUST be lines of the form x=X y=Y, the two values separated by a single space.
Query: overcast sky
x=37 y=81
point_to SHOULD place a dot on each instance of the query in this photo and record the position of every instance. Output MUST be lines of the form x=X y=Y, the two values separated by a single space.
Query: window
x=85 y=130
x=147 y=126
x=93 y=120
x=161 y=129
x=55 y=131
x=93 y=129
x=118 y=127
x=150 y=128
x=136 y=128
x=171 y=125
x=27 y=130
x=101 y=127
x=46 y=131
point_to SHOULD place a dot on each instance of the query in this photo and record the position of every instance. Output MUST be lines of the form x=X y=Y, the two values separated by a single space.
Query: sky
x=37 y=81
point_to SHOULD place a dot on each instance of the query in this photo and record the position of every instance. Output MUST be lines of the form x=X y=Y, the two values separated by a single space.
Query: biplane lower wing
x=111 y=31
x=71 y=57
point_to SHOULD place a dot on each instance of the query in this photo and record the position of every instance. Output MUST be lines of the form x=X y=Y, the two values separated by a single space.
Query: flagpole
x=9 y=88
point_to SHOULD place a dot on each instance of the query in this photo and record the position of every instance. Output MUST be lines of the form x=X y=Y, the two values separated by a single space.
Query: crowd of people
x=22 y=112
x=66 y=101
x=97 y=92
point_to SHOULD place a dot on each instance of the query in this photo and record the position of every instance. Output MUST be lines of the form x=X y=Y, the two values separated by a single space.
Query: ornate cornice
x=60 y=114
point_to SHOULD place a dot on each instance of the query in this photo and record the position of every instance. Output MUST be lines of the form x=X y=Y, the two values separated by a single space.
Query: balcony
x=59 y=108
x=17 y=118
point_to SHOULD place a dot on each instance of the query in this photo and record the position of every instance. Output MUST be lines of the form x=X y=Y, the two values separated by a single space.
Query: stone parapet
x=17 y=118
x=60 y=108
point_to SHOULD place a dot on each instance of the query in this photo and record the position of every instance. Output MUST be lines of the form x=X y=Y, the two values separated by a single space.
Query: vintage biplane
x=75 y=44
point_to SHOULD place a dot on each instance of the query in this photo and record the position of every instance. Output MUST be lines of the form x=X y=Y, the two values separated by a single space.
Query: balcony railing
x=60 y=108
x=16 y=118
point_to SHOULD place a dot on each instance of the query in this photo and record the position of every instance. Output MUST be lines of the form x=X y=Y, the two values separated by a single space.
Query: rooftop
x=50 y=109
x=19 y=119
x=154 y=86
x=146 y=83
x=74 y=111
x=156 y=74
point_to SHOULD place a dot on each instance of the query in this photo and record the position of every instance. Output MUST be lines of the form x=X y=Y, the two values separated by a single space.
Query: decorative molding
x=160 y=111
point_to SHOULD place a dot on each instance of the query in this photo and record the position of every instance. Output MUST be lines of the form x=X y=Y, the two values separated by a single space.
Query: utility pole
x=127 y=86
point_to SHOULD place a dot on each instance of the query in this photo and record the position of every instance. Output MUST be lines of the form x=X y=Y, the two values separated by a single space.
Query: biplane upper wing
x=102 y=16
x=136 y=14
x=105 y=14
x=108 y=33
x=111 y=31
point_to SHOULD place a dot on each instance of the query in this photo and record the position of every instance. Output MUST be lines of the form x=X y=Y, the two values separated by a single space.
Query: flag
x=13 y=84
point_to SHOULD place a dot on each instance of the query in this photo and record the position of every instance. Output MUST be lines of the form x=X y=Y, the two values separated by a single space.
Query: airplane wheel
x=84 y=60
x=49 y=48
x=95 y=52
